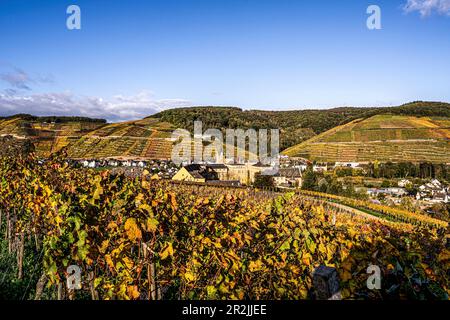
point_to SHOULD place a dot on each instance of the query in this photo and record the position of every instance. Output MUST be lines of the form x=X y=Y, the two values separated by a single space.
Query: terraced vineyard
x=145 y=139
x=383 y=138
x=47 y=137
x=148 y=138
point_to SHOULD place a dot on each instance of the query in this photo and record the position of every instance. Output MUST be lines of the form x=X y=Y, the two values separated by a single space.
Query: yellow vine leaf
x=189 y=276
x=211 y=291
x=145 y=207
x=173 y=201
x=98 y=192
x=133 y=292
x=112 y=225
x=346 y=275
x=104 y=246
x=152 y=224
x=132 y=230
x=109 y=261
x=167 y=250
x=306 y=259
x=255 y=265
x=128 y=262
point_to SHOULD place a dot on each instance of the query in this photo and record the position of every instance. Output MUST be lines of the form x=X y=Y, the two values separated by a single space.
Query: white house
x=433 y=192
x=347 y=164
x=403 y=183
x=302 y=167
x=113 y=163
x=126 y=163
x=141 y=164
x=320 y=168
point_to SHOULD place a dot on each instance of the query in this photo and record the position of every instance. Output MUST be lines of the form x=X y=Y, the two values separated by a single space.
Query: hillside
x=386 y=137
x=92 y=138
x=295 y=126
x=88 y=138
x=48 y=134
x=147 y=139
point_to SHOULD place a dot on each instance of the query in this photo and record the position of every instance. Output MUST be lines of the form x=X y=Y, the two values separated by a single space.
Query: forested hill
x=54 y=119
x=296 y=126
x=416 y=109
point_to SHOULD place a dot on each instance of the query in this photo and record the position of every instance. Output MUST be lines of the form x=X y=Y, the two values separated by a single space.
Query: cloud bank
x=19 y=97
x=118 y=108
x=427 y=7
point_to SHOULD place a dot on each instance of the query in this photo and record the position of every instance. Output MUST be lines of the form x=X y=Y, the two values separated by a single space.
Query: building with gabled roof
x=195 y=173
x=288 y=177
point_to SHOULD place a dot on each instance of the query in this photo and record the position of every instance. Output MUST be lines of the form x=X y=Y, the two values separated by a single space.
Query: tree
x=335 y=187
x=263 y=181
x=407 y=204
x=323 y=185
x=376 y=169
x=309 y=179
x=385 y=184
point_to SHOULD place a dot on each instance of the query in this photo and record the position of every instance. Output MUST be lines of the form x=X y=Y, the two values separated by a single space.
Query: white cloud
x=21 y=80
x=427 y=7
x=118 y=108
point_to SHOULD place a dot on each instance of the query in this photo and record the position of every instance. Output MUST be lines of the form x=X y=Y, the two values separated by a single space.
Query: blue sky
x=132 y=58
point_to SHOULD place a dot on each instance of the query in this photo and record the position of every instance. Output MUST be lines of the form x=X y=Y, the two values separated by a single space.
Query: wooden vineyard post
x=40 y=286
x=60 y=291
x=71 y=294
x=149 y=277
x=94 y=293
x=7 y=230
x=20 y=256
x=326 y=284
x=151 y=274
x=36 y=240
x=153 y=287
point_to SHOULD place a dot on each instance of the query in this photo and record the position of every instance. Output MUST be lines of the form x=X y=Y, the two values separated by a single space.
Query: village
x=287 y=175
